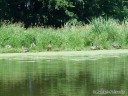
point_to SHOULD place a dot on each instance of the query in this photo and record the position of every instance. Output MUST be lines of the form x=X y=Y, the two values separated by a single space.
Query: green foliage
x=100 y=31
x=108 y=29
x=74 y=22
x=59 y=12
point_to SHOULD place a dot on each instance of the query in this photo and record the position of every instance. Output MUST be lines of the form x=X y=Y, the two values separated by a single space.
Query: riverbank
x=106 y=34
x=90 y=53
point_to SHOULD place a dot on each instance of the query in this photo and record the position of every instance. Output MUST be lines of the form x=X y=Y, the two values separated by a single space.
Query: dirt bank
x=90 y=53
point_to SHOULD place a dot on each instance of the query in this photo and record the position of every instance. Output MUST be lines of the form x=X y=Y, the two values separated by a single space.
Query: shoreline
x=66 y=53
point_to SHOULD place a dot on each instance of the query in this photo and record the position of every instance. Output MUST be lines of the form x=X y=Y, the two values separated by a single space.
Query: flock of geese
x=50 y=47
x=96 y=47
x=24 y=49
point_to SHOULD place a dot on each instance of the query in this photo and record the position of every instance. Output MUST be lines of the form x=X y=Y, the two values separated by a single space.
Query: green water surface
x=69 y=76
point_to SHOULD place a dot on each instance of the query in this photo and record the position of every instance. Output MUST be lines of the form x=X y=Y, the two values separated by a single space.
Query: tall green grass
x=99 y=31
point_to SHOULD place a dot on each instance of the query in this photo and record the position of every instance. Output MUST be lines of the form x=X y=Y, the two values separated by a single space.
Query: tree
x=58 y=12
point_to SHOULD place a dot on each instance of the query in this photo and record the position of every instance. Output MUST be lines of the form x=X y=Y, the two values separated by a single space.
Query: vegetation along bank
x=97 y=35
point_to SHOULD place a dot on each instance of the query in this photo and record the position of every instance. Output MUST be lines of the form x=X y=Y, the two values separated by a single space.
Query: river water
x=68 y=76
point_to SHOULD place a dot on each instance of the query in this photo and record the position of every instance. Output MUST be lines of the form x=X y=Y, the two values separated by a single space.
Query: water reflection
x=58 y=77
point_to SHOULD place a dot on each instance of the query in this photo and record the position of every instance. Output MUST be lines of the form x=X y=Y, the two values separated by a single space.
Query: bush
x=100 y=31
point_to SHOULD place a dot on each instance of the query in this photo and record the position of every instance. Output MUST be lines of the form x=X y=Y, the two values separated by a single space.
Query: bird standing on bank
x=32 y=45
x=49 y=47
x=117 y=46
x=8 y=46
x=94 y=47
x=24 y=49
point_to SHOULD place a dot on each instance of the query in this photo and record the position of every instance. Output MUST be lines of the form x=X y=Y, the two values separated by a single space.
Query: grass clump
x=100 y=31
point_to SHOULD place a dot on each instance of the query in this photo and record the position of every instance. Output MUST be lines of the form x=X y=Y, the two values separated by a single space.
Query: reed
x=100 y=31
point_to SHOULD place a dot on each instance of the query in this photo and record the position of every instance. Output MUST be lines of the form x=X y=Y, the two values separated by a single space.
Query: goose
x=8 y=46
x=49 y=47
x=117 y=46
x=33 y=45
x=94 y=47
x=25 y=49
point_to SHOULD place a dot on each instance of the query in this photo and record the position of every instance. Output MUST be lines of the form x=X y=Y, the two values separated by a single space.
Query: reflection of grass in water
x=66 y=77
x=102 y=68
x=106 y=68
x=108 y=74
x=19 y=70
x=11 y=71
